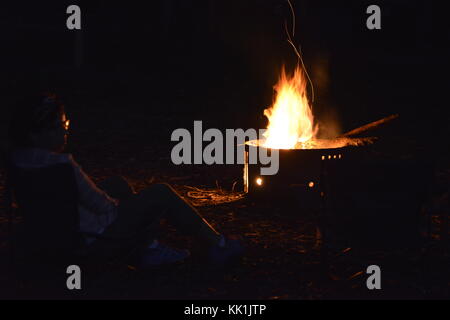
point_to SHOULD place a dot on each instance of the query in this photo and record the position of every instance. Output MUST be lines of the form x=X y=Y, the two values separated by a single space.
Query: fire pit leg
x=324 y=221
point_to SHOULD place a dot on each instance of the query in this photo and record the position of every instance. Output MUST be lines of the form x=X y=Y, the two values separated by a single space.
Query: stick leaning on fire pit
x=370 y=126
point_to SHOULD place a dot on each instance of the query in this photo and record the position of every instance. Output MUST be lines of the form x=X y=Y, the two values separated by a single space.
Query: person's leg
x=141 y=212
x=116 y=187
x=147 y=207
x=179 y=212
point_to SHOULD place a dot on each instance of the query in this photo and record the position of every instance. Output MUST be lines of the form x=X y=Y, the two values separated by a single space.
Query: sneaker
x=162 y=255
x=231 y=251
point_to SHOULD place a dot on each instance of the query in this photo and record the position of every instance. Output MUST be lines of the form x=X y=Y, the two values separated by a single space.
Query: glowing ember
x=291 y=122
x=259 y=181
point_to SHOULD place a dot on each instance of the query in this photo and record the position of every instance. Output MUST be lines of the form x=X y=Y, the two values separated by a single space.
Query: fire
x=291 y=122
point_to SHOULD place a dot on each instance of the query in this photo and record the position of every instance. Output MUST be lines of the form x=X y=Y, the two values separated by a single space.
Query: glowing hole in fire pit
x=259 y=182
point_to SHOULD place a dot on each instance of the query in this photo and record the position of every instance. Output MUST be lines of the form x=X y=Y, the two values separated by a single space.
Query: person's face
x=65 y=125
x=54 y=139
x=61 y=133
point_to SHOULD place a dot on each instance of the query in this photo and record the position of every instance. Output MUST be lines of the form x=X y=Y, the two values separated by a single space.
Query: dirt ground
x=285 y=255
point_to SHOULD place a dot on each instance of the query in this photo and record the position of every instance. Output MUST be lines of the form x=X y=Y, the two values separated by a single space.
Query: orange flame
x=291 y=122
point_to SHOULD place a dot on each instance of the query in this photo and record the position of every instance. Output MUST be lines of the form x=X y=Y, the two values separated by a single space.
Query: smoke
x=325 y=112
x=329 y=124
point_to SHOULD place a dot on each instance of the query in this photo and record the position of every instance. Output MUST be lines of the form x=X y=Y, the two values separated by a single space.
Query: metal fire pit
x=311 y=172
x=364 y=196
x=364 y=192
x=302 y=177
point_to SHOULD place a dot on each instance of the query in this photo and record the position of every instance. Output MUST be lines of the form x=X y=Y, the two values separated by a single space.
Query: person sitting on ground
x=38 y=135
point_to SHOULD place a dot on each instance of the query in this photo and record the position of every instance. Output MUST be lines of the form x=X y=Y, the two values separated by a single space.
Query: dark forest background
x=218 y=60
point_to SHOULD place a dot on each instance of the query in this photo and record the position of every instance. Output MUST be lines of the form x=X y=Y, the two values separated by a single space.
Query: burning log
x=370 y=126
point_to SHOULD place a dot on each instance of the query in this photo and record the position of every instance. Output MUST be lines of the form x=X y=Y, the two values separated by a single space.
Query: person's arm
x=91 y=197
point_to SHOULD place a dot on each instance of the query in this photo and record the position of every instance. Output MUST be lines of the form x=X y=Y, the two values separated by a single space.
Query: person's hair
x=33 y=113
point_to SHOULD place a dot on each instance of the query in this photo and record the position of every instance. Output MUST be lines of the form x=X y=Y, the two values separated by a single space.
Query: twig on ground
x=206 y=197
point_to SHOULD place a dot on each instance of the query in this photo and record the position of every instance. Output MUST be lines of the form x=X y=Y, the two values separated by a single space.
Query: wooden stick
x=370 y=126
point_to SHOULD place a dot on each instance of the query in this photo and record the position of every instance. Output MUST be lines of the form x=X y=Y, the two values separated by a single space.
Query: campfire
x=291 y=121
x=305 y=158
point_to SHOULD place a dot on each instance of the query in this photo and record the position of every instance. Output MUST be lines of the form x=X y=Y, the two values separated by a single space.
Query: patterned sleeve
x=91 y=197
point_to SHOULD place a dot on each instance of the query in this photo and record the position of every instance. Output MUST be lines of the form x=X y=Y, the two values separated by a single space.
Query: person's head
x=39 y=120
